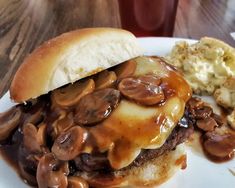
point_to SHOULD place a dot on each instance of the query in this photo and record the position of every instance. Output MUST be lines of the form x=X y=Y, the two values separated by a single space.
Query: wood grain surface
x=25 y=24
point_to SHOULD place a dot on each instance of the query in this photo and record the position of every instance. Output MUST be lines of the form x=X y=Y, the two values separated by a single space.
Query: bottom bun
x=151 y=173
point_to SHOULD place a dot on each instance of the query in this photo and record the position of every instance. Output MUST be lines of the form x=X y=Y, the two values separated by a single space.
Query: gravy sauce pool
x=213 y=136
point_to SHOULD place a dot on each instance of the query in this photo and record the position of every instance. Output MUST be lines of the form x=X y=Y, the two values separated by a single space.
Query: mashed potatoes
x=225 y=95
x=206 y=64
x=231 y=119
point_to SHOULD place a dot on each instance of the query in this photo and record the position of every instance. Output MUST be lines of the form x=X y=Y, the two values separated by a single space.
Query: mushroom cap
x=143 y=89
x=70 y=143
x=9 y=120
x=51 y=172
x=72 y=93
x=97 y=106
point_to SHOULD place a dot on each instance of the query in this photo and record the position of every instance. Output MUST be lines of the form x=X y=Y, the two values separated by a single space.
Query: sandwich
x=95 y=112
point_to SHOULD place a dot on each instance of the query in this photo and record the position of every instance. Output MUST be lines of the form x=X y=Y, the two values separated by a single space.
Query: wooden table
x=25 y=24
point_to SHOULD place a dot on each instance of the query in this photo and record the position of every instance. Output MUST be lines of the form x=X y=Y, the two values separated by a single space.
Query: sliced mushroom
x=203 y=112
x=125 y=69
x=9 y=120
x=105 y=79
x=219 y=146
x=69 y=144
x=51 y=120
x=72 y=93
x=41 y=134
x=96 y=106
x=27 y=164
x=35 y=117
x=195 y=103
x=34 y=139
x=62 y=124
x=77 y=182
x=207 y=124
x=143 y=89
x=51 y=172
x=221 y=121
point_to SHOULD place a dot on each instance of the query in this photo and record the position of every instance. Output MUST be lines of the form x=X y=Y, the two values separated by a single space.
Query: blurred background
x=25 y=24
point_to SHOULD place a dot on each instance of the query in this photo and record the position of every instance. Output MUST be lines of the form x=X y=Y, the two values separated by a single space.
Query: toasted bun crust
x=151 y=173
x=70 y=57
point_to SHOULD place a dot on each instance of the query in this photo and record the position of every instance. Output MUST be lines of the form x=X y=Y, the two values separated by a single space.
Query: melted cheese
x=132 y=127
x=147 y=65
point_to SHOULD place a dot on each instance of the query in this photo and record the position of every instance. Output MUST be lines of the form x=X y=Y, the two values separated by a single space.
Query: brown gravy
x=217 y=143
x=124 y=139
x=9 y=150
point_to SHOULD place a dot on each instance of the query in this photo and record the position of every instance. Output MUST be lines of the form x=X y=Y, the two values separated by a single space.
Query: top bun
x=70 y=57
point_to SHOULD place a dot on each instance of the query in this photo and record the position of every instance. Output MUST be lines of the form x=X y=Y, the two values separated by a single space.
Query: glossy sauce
x=9 y=150
x=131 y=126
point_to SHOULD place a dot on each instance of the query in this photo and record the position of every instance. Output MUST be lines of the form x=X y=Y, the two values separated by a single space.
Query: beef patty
x=99 y=162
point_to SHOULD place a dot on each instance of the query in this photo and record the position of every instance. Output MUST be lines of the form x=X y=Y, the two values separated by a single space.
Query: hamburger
x=94 y=112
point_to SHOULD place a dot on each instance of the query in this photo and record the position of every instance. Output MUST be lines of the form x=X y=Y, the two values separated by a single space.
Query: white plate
x=200 y=172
